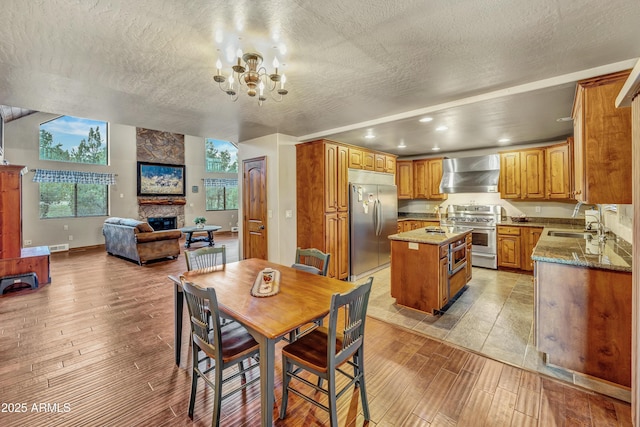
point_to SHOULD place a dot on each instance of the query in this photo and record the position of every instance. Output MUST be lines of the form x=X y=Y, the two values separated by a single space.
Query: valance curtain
x=220 y=182
x=74 y=177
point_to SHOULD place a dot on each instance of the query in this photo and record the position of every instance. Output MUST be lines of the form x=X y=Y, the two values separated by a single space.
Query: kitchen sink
x=572 y=234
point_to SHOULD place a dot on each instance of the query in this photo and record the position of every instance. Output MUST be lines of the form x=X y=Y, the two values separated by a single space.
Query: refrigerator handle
x=375 y=217
x=380 y=218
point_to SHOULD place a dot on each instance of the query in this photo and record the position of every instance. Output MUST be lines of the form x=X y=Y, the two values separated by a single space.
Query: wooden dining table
x=302 y=298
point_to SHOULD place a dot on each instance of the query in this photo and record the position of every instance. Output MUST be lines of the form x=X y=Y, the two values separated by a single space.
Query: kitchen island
x=583 y=303
x=429 y=267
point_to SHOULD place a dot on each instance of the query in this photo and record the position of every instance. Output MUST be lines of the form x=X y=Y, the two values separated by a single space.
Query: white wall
x=280 y=152
x=22 y=147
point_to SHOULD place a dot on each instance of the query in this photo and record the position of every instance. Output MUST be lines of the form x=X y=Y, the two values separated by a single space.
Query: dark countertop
x=421 y=236
x=614 y=254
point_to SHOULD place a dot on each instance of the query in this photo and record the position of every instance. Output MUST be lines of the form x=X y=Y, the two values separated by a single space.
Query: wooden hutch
x=14 y=259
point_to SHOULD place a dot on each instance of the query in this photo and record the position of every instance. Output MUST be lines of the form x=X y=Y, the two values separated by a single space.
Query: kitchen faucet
x=602 y=235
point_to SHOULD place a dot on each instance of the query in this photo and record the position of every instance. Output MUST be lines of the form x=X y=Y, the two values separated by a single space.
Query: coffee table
x=189 y=231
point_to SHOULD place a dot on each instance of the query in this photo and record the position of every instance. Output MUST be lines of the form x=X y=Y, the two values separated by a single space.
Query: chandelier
x=248 y=73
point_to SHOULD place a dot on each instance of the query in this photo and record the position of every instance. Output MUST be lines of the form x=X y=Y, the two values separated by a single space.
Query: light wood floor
x=95 y=348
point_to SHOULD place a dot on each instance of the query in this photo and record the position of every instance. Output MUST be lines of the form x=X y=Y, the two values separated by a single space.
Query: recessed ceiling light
x=426 y=119
x=564 y=119
x=402 y=145
x=369 y=136
x=435 y=149
x=504 y=140
x=441 y=128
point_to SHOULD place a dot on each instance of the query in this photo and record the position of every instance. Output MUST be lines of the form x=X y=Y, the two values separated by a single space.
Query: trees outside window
x=221 y=156
x=73 y=139
x=63 y=200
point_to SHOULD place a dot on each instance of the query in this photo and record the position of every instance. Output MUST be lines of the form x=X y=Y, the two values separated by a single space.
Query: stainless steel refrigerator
x=373 y=216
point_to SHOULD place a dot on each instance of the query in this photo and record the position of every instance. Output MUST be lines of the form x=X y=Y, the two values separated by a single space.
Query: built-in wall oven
x=482 y=219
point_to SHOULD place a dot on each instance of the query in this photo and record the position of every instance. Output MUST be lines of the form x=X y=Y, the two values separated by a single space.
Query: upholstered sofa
x=137 y=241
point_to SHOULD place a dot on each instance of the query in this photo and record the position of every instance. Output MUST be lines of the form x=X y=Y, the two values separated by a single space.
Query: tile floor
x=493 y=316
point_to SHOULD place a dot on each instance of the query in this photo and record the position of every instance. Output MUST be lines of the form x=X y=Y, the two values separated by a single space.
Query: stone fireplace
x=160 y=147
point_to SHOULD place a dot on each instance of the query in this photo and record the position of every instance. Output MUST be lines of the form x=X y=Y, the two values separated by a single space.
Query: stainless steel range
x=482 y=219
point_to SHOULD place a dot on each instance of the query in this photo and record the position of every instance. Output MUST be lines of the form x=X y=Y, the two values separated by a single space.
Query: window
x=222 y=194
x=220 y=156
x=75 y=140
x=66 y=194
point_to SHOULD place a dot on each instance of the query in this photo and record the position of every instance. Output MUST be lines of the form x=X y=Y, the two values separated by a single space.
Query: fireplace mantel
x=162 y=201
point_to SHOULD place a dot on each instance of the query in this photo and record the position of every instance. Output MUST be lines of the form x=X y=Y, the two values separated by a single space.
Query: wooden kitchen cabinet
x=379 y=162
x=427 y=174
x=322 y=198
x=368 y=160
x=522 y=174
x=404 y=179
x=469 y=260
x=558 y=171
x=337 y=244
x=602 y=142
x=583 y=319
x=389 y=164
x=443 y=282
x=529 y=239
x=355 y=158
x=509 y=249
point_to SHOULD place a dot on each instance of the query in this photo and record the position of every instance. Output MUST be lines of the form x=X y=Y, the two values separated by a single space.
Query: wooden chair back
x=314 y=258
x=206 y=258
x=204 y=316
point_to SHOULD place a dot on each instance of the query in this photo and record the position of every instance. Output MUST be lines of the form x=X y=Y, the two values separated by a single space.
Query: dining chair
x=325 y=350
x=226 y=347
x=206 y=258
x=312 y=260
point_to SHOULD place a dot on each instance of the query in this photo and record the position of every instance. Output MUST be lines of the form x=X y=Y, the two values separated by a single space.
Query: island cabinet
x=423 y=275
x=602 y=142
x=583 y=319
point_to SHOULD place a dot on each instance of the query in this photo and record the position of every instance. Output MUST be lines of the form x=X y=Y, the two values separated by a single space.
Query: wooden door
x=254 y=206
x=434 y=178
x=510 y=175
x=532 y=174
x=404 y=179
x=558 y=171
x=420 y=179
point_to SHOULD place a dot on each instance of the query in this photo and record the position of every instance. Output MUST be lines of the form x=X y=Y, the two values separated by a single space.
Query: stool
x=27 y=278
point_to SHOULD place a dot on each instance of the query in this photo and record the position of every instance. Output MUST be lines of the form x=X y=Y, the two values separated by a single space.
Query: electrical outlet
x=65 y=227
x=28 y=242
x=538 y=209
x=70 y=237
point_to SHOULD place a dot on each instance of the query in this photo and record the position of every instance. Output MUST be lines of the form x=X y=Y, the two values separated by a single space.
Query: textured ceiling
x=487 y=69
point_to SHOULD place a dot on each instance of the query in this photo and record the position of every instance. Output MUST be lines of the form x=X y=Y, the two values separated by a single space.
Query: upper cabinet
x=404 y=179
x=427 y=174
x=361 y=158
x=522 y=174
x=602 y=142
x=541 y=173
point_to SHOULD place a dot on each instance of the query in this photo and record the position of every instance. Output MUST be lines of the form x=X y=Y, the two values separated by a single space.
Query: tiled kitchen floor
x=493 y=316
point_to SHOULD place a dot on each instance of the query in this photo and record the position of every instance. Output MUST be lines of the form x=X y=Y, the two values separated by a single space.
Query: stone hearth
x=147 y=211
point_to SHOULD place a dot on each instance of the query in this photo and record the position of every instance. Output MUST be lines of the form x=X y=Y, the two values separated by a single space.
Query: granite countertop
x=421 y=236
x=614 y=254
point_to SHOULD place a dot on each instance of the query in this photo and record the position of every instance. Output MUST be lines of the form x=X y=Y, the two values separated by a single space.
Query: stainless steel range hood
x=478 y=174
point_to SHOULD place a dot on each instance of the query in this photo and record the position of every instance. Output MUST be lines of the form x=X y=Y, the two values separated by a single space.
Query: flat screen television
x=161 y=179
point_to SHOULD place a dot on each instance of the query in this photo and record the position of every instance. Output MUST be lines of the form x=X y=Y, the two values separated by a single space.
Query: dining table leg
x=267 y=372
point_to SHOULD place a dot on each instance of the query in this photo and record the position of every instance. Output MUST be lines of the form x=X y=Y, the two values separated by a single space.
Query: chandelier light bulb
x=218 y=65
x=239 y=54
x=282 y=81
x=261 y=88
x=276 y=64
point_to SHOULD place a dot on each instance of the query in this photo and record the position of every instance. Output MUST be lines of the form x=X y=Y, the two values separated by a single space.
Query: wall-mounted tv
x=160 y=179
